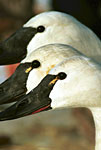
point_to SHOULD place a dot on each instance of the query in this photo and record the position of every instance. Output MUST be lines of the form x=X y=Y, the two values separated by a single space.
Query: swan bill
x=15 y=86
x=14 y=49
x=34 y=102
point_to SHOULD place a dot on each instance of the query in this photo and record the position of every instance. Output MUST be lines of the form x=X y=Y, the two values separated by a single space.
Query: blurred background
x=71 y=129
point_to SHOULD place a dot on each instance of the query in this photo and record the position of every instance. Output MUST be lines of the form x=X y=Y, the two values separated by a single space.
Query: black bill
x=14 y=49
x=15 y=86
x=36 y=101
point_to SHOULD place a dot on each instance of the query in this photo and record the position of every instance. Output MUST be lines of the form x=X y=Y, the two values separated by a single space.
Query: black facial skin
x=14 y=49
x=15 y=86
x=36 y=101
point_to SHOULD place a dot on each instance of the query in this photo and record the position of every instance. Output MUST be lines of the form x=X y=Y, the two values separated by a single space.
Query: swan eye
x=62 y=75
x=36 y=64
x=40 y=29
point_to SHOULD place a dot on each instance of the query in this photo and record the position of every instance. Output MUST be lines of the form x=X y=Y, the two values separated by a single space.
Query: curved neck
x=97 y=119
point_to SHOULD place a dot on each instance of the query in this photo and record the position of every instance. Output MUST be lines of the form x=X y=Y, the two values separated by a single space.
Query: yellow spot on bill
x=28 y=69
x=53 y=81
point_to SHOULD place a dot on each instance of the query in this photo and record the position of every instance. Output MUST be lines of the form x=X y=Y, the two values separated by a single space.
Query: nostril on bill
x=21 y=104
x=1 y=90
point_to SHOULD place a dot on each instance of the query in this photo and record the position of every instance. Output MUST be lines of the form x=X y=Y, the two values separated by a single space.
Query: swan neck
x=97 y=119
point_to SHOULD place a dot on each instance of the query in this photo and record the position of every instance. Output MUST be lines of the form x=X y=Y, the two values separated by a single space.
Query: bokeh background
x=71 y=129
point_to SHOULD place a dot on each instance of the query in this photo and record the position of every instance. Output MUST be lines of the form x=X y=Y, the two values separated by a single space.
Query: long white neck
x=97 y=119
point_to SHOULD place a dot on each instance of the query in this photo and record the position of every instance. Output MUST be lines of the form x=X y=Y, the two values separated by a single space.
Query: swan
x=46 y=28
x=37 y=64
x=74 y=82
x=81 y=88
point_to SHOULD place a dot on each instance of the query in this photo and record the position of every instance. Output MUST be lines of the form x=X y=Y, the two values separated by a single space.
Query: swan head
x=82 y=85
x=46 y=28
x=57 y=26
x=42 y=29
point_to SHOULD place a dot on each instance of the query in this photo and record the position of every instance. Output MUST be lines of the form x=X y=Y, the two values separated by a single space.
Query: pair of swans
x=54 y=75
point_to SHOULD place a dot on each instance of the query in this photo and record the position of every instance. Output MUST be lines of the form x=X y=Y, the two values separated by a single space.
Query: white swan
x=81 y=88
x=47 y=28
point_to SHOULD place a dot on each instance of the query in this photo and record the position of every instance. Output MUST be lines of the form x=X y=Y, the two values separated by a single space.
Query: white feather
x=65 y=29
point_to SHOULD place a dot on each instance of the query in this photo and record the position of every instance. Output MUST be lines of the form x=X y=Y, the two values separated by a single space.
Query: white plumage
x=65 y=29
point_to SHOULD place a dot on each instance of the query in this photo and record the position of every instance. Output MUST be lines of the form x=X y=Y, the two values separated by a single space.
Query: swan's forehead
x=49 y=18
x=74 y=64
x=49 y=53
x=53 y=52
